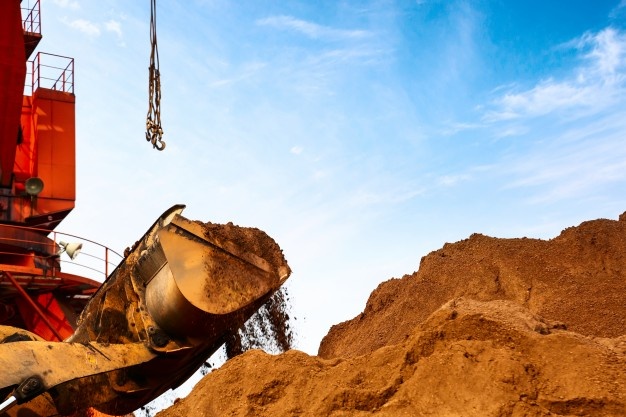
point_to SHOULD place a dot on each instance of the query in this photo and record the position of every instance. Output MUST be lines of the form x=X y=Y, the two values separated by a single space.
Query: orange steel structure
x=37 y=180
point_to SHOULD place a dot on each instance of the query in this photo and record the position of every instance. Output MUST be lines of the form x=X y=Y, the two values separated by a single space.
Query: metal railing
x=54 y=72
x=31 y=18
x=94 y=261
x=94 y=256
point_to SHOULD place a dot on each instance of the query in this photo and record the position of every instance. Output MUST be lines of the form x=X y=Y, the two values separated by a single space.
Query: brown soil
x=269 y=328
x=248 y=238
x=486 y=327
x=577 y=278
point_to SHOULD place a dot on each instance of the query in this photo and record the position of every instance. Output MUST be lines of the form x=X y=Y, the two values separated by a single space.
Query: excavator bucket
x=179 y=293
x=192 y=275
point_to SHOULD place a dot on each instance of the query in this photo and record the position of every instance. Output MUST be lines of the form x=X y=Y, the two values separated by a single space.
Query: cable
x=154 y=131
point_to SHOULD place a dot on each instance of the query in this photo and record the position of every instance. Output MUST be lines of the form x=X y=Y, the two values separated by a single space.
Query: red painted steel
x=12 y=77
x=33 y=305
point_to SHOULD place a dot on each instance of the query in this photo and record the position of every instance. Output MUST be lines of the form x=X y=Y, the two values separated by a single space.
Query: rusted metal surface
x=58 y=362
x=170 y=304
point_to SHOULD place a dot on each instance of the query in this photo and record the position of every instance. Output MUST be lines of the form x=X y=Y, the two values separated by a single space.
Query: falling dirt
x=269 y=328
x=485 y=327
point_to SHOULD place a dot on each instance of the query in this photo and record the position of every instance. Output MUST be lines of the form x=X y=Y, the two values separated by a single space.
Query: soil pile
x=486 y=327
x=578 y=278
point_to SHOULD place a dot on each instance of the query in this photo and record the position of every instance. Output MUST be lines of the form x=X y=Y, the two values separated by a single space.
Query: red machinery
x=37 y=180
x=177 y=295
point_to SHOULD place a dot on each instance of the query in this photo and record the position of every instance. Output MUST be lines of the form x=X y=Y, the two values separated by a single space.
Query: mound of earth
x=578 y=278
x=485 y=327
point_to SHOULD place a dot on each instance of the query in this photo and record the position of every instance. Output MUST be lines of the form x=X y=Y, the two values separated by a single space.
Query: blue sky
x=361 y=135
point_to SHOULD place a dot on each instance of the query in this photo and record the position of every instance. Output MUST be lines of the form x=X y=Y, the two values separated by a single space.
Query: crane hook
x=154 y=131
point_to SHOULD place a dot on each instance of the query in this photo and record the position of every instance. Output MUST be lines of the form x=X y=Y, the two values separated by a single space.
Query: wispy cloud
x=115 y=27
x=87 y=27
x=452 y=180
x=574 y=163
x=247 y=71
x=312 y=30
x=455 y=127
x=318 y=68
x=572 y=128
x=596 y=84
x=362 y=54
x=547 y=97
x=95 y=29
x=511 y=131
x=607 y=54
x=619 y=10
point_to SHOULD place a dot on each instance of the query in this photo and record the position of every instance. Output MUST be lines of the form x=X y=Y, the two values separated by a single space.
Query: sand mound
x=486 y=327
x=577 y=278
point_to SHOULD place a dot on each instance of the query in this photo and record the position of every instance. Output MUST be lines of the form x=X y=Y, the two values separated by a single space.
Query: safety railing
x=94 y=257
x=54 y=72
x=31 y=17
x=75 y=255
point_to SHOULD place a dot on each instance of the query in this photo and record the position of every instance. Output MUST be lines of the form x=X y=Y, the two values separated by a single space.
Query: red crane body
x=37 y=179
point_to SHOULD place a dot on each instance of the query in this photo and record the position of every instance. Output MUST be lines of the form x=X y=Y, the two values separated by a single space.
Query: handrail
x=96 y=260
x=55 y=73
x=32 y=22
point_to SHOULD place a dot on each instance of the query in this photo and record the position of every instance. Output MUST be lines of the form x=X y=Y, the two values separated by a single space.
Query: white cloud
x=544 y=98
x=94 y=29
x=312 y=30
x=85 y=26
x=607 y=55
x=452 y=180
x=247 y=71
x=361 y=54
x=573 y=164
x=455 y=128
x=511 y=131
x=592 y=87
x=296 y=150
x=115 y=27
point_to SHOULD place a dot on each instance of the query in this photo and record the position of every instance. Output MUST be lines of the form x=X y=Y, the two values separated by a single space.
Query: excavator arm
x=169 y=305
